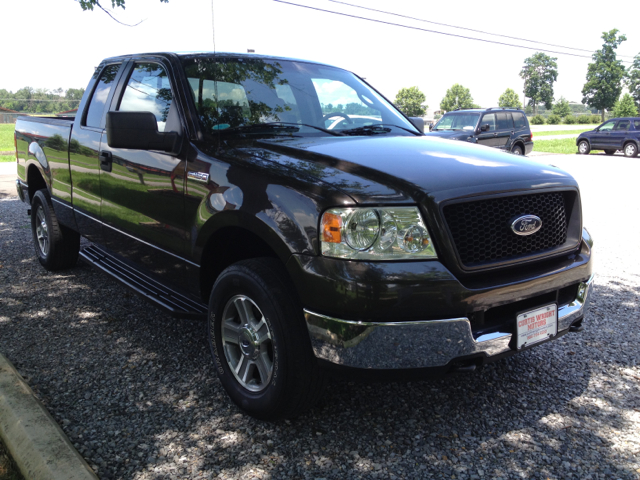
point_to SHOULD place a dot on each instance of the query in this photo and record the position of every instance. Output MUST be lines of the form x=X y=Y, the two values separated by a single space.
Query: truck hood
x=406 y=169
x=451 y=134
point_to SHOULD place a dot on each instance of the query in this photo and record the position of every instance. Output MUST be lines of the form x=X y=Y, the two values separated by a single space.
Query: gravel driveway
x=136 y=391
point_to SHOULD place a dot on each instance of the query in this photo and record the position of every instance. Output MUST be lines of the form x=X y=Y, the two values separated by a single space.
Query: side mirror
x=430 y=127
x=139 y=131
x=418 y=122
x=484 y=128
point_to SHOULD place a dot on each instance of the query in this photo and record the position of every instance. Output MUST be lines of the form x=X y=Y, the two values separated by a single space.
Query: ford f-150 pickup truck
x=221 y=187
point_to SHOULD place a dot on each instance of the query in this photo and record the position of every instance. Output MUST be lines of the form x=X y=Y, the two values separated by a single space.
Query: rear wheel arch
x=626 y=150
x=518 y=145
x=35 y=180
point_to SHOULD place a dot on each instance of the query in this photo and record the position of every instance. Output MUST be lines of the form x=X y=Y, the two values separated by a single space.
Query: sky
x=54 y=44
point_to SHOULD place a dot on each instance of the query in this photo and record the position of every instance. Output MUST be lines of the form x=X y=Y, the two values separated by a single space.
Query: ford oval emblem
x=526 y=225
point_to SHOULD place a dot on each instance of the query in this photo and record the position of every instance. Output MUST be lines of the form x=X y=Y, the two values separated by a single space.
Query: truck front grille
x=481 y=230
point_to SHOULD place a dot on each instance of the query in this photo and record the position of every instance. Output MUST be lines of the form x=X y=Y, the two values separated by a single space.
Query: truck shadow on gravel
x=136 y=392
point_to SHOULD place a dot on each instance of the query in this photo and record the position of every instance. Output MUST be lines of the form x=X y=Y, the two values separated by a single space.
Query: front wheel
x=630 y=150
x=583 y=147
x=56 y=246
x=260 y=343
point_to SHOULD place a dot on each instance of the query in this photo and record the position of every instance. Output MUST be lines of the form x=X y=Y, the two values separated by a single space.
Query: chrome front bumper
x=431 y=343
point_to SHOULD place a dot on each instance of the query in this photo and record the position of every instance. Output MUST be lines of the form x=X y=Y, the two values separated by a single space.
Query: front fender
x=288 y=222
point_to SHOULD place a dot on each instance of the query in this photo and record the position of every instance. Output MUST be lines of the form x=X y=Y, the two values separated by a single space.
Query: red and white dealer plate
x=537 y=325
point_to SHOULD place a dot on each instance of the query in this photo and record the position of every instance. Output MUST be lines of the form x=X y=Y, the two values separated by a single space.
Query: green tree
x=509 y=99
x=457 y=97
x=89 y=4
x=625 y=107
x=633 y=80
x=411 y=102
x=561 y=108
x=605 y=74
x=539 y=72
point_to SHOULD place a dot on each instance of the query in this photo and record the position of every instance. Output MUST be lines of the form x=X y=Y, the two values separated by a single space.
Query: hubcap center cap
x=249 y=342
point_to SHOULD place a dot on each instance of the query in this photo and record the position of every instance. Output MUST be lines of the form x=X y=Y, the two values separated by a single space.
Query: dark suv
x=614 y=134
x=504 y=128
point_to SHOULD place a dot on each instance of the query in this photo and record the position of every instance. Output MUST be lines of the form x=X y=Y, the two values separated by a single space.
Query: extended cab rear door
x=142 y=190
x=84 y=150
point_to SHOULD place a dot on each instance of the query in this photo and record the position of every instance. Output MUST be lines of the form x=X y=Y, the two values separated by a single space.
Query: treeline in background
x=41 y=100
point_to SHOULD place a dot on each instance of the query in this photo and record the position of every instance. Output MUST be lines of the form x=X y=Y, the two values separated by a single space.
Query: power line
x=466 y=28
x=435 y=31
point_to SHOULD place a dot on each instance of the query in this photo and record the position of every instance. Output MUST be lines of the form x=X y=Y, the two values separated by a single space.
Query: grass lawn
x=560 y=132
x=563 y=145
x=6 y=141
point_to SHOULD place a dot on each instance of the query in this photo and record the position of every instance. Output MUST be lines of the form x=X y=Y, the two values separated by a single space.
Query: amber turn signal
x=331 y=226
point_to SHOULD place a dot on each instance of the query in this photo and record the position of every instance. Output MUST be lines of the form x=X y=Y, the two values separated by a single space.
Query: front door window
x=607 y=127
x=148 y=90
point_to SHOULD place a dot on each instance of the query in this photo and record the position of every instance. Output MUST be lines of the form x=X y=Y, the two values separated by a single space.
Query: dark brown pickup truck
x=312 y=225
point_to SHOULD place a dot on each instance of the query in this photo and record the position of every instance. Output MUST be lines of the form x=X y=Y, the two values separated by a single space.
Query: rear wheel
x=56 y=246
x=260 y=343
x=583 y=147
x=630 y=150
x=609 y=152
x=517 y=150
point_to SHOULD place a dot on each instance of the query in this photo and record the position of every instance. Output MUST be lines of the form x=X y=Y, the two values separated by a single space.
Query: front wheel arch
x=225 y=247
x=288 y=380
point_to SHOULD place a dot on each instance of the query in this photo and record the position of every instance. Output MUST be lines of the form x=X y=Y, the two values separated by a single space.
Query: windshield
x=232 y=94
x=458 y=121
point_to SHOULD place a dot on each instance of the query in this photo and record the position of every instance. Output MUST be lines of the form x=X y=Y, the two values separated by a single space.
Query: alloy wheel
x=42 y=231
x=247 y=343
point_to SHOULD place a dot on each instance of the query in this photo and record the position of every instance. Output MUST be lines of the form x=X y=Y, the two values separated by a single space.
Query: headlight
x=386 y=233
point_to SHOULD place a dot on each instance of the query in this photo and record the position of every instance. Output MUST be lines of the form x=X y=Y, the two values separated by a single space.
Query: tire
x=630 y=150
x=583 y=147
x=56 y=246
x=610 y=152
x=264 y=360
x=517 y=150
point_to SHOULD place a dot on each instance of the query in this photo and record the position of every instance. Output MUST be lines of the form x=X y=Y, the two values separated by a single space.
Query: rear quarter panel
x=43 y=145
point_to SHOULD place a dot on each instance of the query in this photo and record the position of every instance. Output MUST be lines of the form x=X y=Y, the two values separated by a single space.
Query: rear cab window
x=519 y=120
x=505 y=121
x=95 y=111
x=623 y=125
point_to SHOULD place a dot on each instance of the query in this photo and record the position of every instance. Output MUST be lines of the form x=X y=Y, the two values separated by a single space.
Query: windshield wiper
x=376 y=129
x=283 y=127
x=271 y=127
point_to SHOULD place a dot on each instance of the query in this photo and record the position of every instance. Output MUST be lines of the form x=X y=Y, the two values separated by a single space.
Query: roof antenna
x=213 y=29
x=215 y=79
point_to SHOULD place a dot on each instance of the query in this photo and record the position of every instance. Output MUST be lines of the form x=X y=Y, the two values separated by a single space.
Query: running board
x=176 y=304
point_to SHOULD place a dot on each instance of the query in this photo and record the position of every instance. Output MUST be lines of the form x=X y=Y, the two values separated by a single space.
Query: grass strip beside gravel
x=6 y=137
x=6 y=141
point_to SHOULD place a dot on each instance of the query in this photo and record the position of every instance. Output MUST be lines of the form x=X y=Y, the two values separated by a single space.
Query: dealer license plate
x=537 y=325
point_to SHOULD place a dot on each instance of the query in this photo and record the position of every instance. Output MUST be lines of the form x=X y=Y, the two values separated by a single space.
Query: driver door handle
x=106 y=160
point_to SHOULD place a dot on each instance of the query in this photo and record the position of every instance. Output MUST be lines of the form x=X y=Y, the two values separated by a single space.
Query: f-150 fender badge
x=526 y=225
x=199 y=176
